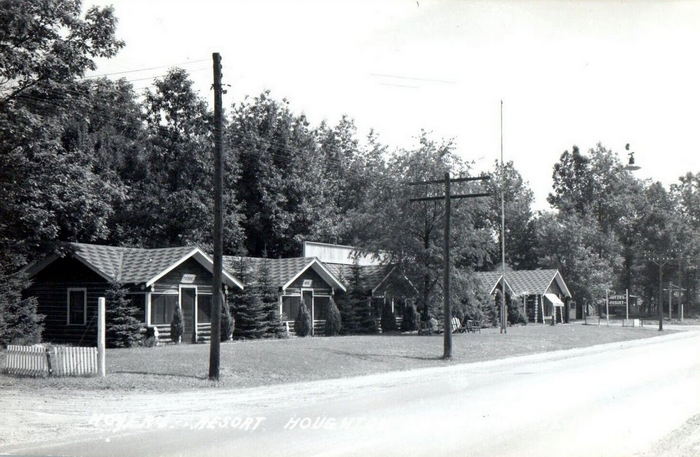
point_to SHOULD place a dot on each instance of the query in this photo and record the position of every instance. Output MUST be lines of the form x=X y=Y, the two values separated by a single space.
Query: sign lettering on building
x=188 y=278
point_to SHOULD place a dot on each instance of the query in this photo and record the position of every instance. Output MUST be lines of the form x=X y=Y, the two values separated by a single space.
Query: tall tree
x=174 y=199
x=45 y=44
x=51 y=190
x=412 y=232
x=565 y=243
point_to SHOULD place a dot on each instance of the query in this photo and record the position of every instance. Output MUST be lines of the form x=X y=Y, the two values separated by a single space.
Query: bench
x=473 y=326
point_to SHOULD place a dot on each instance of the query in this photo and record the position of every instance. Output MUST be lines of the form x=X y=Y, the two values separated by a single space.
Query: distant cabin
x=381 y=282
x=295 y=280
x=542 y=294
x=158 y=281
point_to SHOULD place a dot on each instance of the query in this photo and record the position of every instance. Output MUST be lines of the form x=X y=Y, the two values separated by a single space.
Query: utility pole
x=447 y=311
x=660 y=262
x=215 y=344
x=504 y=318
x=680 y=284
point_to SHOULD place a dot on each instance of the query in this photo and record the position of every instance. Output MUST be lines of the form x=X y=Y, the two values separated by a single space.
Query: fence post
x=101 y=337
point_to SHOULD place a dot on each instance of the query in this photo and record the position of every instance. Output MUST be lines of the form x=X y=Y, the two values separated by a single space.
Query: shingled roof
x=283 y=271
x=524 y=282
x=371 y=276
x=133 y=265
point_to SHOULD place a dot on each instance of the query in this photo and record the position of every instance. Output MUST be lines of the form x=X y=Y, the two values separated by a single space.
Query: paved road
x=610 y=400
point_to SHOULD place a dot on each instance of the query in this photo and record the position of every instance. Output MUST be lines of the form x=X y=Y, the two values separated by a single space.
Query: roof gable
x=133 y=265
x=282 y=272
x=524 y=282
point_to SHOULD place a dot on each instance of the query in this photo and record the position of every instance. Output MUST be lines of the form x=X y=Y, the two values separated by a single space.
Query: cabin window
x=321 y=308
x=163 y=308
x=77 y=306
x=204 y=308
x=290 y=307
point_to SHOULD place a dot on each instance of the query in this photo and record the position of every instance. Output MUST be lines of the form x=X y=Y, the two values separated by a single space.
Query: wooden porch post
x=148 y=308
x=541 y=300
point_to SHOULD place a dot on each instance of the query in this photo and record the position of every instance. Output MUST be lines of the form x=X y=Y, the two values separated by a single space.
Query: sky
x=568 y=72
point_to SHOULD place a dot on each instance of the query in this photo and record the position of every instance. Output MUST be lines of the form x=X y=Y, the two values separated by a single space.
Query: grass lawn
x=255 y=363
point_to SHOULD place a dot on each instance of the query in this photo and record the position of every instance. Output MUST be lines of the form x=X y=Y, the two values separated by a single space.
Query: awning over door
x=554 y=299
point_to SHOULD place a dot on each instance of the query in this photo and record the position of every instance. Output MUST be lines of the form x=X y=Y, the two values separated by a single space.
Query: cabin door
x=308 y=297
x=188 y=296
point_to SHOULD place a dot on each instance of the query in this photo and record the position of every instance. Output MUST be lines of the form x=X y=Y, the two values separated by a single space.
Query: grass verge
x=255 y=363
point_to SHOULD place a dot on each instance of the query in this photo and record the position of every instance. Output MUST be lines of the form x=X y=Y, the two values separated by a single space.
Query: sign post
x=607 y=307
x=627 y=304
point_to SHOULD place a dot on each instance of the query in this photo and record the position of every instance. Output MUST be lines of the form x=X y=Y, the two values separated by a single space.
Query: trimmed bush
x=515 y=314
x=367 y=322
x=176 y=326
x=227 y=322
x=122 y=328
x=247 y=307
x=19 y=321
x=302 y=323
x=388 y=319
x=333 y=320
x=270 y=304
x=347 y=315
x=410 y=318
x=250 y=316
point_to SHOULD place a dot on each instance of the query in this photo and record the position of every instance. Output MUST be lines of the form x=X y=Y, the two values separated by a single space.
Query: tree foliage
x=19 y=321
x=122 y=327
x=248 y=310
x=333 y=320
x=302 y=321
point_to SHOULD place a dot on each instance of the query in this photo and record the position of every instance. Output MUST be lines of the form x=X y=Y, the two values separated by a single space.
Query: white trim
x=565 y=289
x=204 y=260
x=76 y=289
x=384 y=279
x=148 y=308
x=505 y=280
x=556 y=302
x=389 y=274
x=324 y=271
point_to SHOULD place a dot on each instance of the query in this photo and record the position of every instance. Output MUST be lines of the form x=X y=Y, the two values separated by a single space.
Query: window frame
x=154 y=298
x=68 y=303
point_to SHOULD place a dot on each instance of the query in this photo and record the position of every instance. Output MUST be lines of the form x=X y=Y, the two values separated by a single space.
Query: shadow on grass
x=170 y=375
x=366 y=356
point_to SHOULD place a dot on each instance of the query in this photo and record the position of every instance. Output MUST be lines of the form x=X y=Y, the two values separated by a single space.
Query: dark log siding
x=67 y=269
x=50 y=287
x=318 y=284
x=171 y=281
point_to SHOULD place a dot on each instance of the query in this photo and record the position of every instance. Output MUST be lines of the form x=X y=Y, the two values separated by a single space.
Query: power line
x=136 y=70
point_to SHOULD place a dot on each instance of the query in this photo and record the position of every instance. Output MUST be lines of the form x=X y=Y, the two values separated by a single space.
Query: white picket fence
x=74 y=361
x=26 y=360
x=54 y=361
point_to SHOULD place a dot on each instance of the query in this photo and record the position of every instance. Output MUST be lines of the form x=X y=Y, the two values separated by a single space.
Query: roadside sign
x=617 y=300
